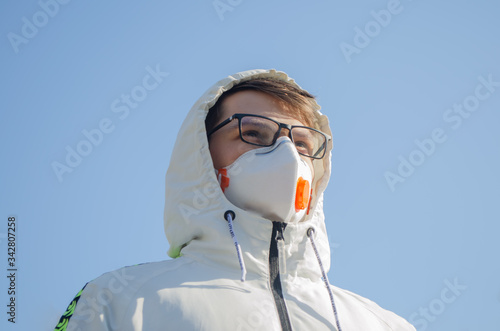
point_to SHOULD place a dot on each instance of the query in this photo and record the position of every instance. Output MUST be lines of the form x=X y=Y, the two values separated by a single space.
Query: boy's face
x=225 y=144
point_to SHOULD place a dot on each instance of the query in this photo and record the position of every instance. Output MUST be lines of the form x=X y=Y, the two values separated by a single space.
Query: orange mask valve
x=223 y=179
x=302 y=195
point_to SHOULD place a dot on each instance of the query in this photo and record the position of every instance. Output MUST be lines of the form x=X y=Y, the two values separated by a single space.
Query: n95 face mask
x=273 y=182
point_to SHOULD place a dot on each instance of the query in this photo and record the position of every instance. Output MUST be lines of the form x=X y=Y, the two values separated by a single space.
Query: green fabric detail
x=63 y=322
x=174 y=252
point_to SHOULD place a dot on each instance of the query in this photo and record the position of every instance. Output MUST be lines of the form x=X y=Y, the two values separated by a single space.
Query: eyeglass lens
x=263 y=132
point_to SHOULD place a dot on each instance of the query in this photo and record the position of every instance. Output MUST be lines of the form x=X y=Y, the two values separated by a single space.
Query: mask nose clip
x=280 y=141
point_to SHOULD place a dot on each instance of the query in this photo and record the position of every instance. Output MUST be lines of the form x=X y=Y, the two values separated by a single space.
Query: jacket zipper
x=274 y=274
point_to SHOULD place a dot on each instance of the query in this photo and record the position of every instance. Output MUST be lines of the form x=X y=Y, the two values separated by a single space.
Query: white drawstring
x=310 y=232
x=229 y=216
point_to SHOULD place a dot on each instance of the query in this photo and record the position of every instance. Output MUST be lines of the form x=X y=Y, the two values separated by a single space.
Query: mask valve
x=303 y=194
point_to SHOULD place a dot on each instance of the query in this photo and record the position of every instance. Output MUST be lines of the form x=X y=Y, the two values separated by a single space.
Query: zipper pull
x=280 y=238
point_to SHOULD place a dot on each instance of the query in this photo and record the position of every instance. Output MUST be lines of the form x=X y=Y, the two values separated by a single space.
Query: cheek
x=225 y=153
x=218 y=155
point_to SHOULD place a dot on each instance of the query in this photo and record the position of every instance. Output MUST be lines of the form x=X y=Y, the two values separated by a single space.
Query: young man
x=245 y=223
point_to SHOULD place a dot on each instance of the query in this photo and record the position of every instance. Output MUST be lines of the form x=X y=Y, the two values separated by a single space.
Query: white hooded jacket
x=200 y=289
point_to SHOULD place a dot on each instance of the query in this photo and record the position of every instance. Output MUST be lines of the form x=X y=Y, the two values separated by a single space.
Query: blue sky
x=412 y=89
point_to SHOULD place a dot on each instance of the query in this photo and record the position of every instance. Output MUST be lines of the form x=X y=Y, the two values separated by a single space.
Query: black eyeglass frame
x=239 y=116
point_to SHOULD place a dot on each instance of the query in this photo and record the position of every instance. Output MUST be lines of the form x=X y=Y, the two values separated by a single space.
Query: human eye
x=304 y=141
x=257 y=132
x=304 y=147
x=249 y=133
x=256 y=135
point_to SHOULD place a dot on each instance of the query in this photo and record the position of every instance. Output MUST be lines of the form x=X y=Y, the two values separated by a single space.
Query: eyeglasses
x=263 y=131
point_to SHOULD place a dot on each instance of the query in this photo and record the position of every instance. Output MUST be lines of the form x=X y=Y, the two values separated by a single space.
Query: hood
x=194 y=202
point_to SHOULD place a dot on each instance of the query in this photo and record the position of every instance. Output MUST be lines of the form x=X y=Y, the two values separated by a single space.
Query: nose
x=308 y=160
x=285 y=132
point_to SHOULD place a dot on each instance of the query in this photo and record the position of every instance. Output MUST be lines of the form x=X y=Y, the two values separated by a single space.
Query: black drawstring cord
x=310 y=233
x=229 y=215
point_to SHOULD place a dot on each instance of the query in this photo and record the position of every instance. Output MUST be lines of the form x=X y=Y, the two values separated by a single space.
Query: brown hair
x=295 y=101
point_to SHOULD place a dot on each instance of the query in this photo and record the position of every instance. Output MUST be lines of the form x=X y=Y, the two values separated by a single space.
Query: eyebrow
x=259 y=124
x=302 y=134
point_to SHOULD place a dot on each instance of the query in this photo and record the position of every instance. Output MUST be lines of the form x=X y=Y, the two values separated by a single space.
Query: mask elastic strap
x=310 y=233
x=229 y=216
